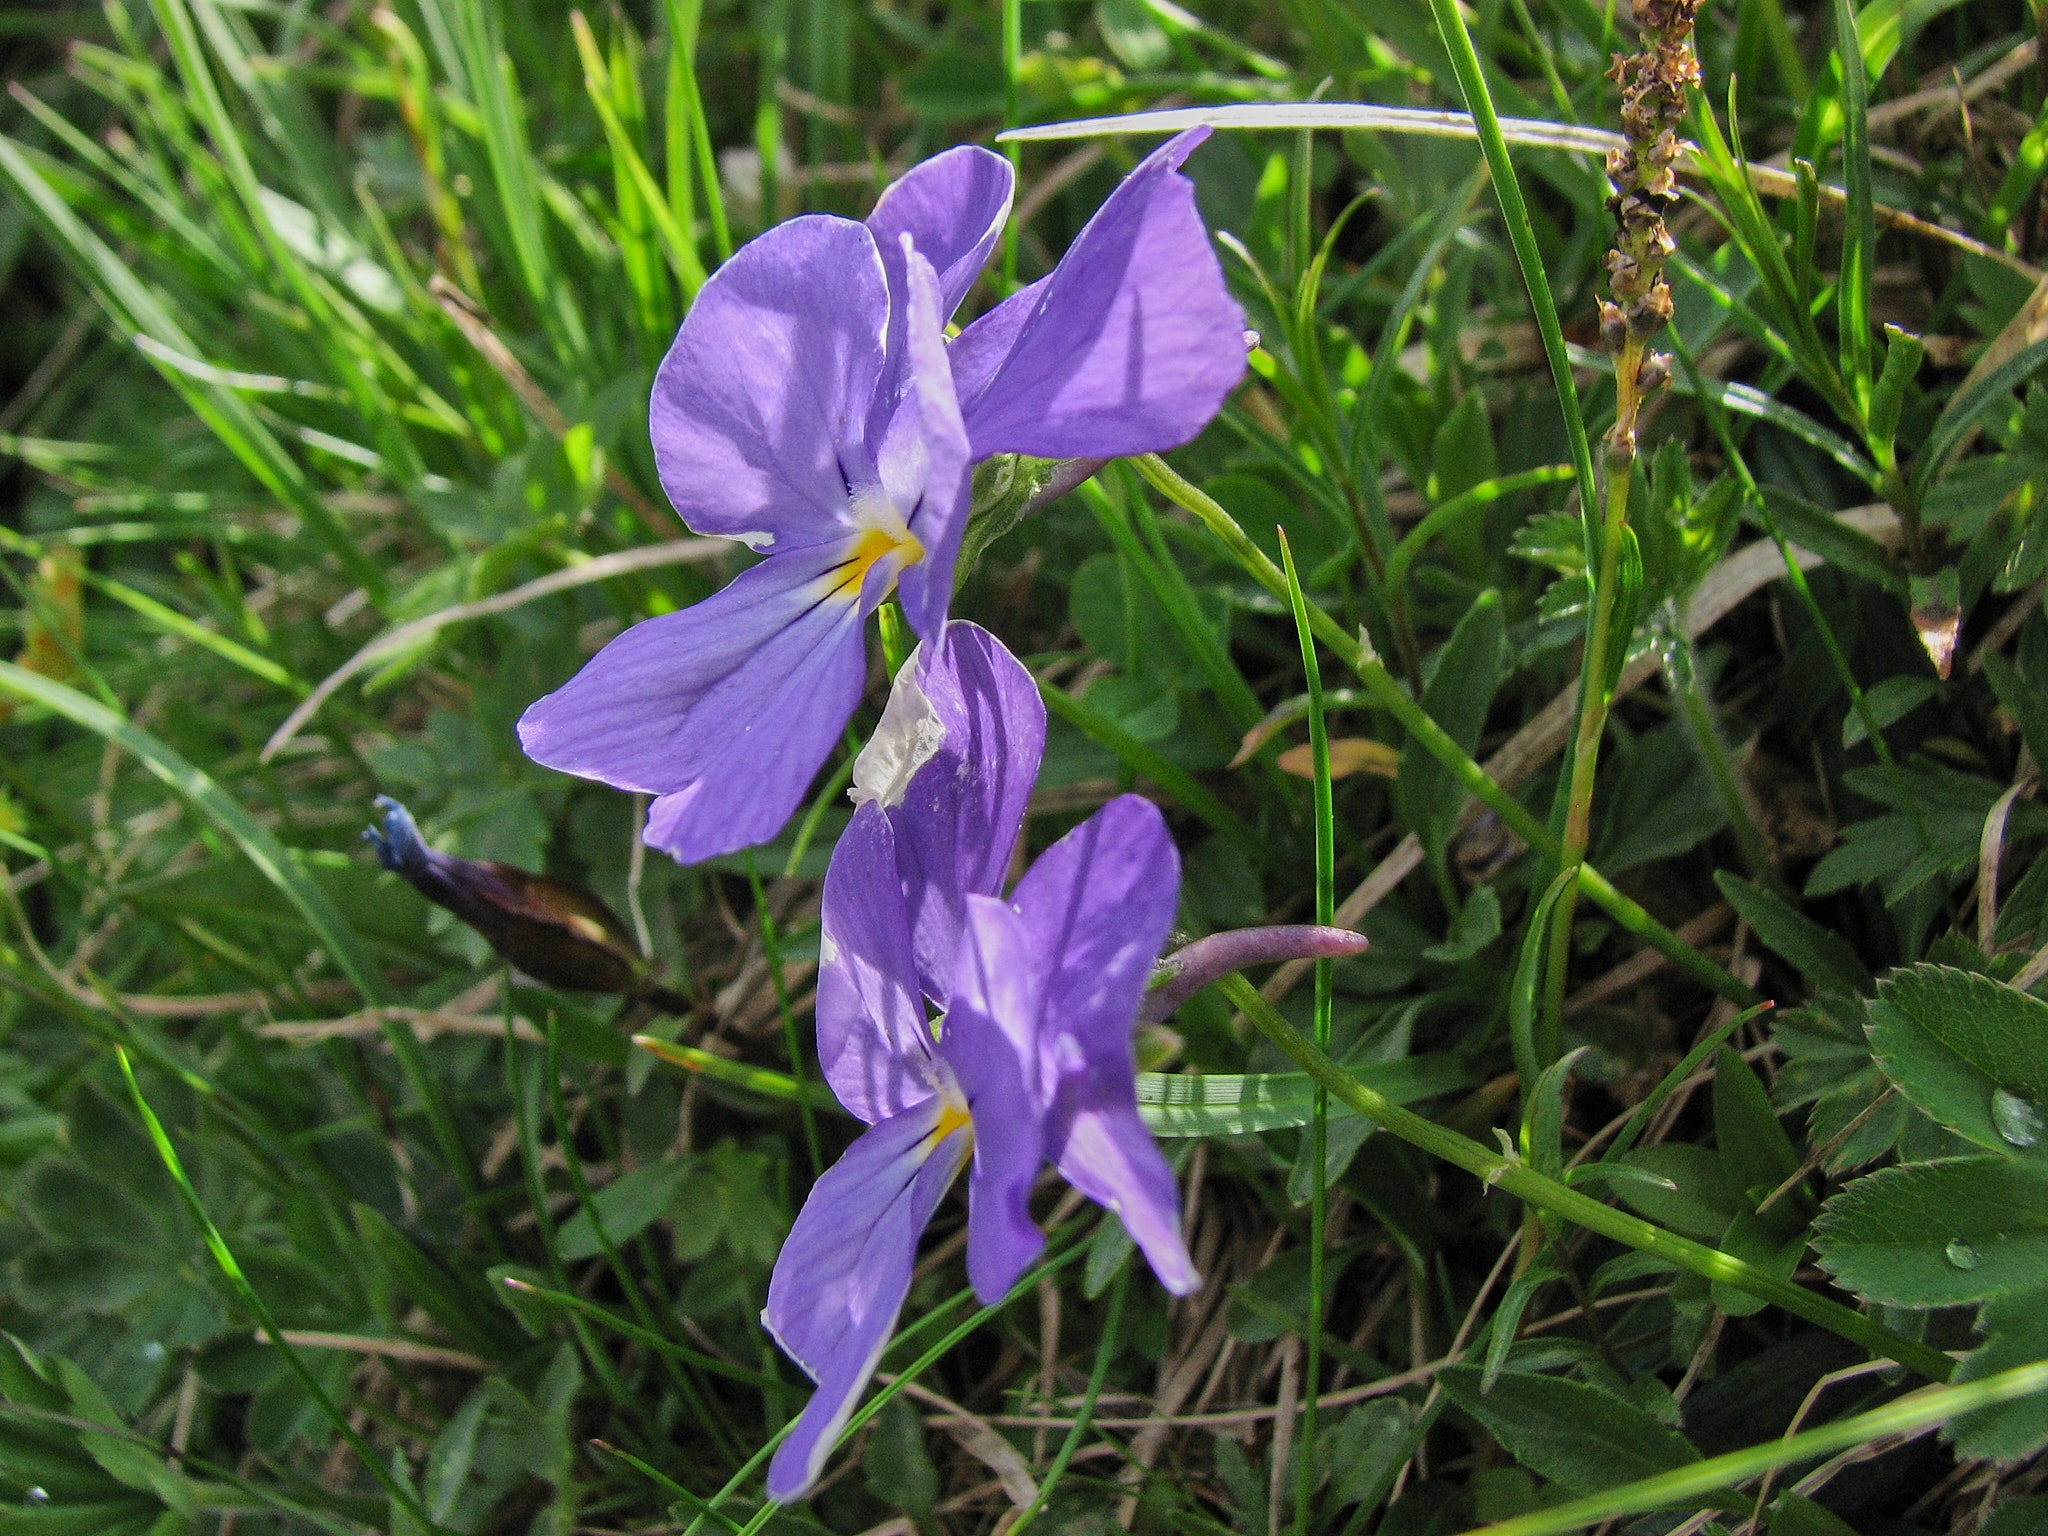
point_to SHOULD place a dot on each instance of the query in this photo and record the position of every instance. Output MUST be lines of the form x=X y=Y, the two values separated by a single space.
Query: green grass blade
x=1859 y=232
x=1521 y=233
x=239 y=1282
x=1679 y=1489
x=198 y=789
x=1319 y=1122
x=137 y=311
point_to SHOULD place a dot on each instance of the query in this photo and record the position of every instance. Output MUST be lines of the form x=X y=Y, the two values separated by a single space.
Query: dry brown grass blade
x=603 y=568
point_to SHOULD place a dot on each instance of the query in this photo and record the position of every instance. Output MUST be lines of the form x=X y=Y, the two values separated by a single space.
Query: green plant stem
x=232 y=1269
x=1509 y=1173
x=1013 y=58
x=1390 y=696
x=1919 y=1411
x=1591 y=723
x=1319 y=1123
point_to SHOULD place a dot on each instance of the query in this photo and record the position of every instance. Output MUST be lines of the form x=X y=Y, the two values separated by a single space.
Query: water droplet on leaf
x=1961 y=1254
x=2018 y=1119
x=37 y=1496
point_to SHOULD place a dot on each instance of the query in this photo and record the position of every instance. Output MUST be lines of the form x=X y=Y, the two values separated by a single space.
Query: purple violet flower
x=1032 y=1061
x=811 y=408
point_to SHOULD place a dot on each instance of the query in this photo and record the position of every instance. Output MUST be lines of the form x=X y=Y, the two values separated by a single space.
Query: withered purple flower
x=812 y=408
x=559 y=934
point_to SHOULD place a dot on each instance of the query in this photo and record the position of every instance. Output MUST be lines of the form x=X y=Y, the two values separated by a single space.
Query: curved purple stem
x=1186 y=971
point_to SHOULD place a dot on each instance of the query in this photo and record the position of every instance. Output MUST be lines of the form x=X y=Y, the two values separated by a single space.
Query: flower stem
x=1654 y=84
x=1357 y=654
x=1511 y=1174
x=1592 y=724
x=1319 y=1123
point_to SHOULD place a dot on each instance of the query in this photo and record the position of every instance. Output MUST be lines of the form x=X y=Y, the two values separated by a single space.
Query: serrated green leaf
x=2016 y=1333
x=1938 y=1234
x=1970 y=1052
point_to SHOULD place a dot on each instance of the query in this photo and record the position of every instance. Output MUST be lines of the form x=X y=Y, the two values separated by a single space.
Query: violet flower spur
x=1032 y=1061
x=811 y=408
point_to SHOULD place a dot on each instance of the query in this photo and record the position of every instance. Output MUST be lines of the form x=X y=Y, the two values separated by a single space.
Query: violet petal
x=872 y=1034
x=725 y=710
x=1099 y=904
x=958 y=815
x=990 y=1041
x=952 y=206
x=923 y=454
x=1130 y=346
x=845 y=1268
x=759 y=411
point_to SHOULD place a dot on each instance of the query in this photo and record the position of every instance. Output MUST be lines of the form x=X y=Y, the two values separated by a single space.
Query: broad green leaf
x=627 y=1206
x=1792 y=1515
x=1970 y=1052
x=1243 y=1104
x=1699 y=1204
x=1849 y=549
x=1756 y=1154
x=1938 y=1234
x=1575 y=1435
x=1363 y=1448
x=1461 y=684
x=2016 y=1517
x=1476 y=926
x=899 y=1469
x=1889 y=701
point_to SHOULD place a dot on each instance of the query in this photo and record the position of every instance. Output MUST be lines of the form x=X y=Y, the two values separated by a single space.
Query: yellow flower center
x=871 y=545
x=952 y=1116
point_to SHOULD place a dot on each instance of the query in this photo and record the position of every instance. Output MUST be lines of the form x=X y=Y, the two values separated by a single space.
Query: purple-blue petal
x=724 y=710
x=873 y=1042
x=923 y=454
x=1130 y=346
x=1108 y=1154
x=1099 y=904
x=990 y=1041
x=952 y=206
x=841 y=1277
x=760 y=411
x=960 y=816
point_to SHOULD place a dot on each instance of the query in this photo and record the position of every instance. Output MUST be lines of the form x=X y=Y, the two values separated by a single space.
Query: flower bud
x=559 y=934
